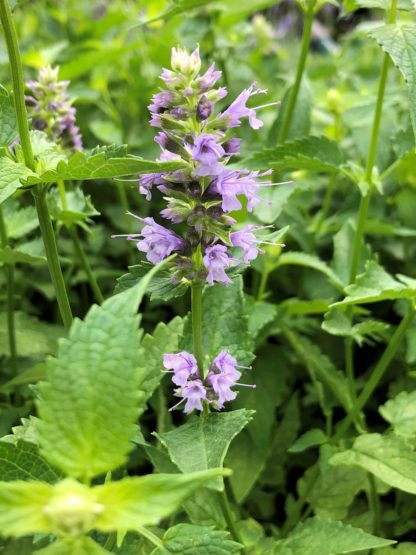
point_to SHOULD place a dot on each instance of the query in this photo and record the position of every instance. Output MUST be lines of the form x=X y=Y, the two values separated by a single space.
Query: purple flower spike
x=238 y=109
x=157 y=241
x=184 y=366
x=194 y=392
x=207 y=151
x=215 y=261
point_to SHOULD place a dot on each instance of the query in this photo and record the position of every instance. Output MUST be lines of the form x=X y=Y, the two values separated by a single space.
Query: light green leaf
x=343 y=247
x=337 y=322
x=400 y=412
x=352 y=5
x=202 y=443
x=90 y=401
x=178 y=7
x=73 y=546
x=10 y=175
x=327 y=537
x=79 y=207
x=405 y=548
x=316 y=154
x=99 y=166
x=19 y=221
x=259 y=315
x=309 y=261
x=146 y=500
x=164 y=339
x=386 y=456
x=21 y=461
x=188 y=539
x=161 y=286
x=17 y=256
x=375 y=285
x=8 y=125
x=311 y=438
x=399 y=41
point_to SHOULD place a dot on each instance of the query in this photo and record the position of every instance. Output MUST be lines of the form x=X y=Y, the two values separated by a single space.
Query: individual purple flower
x=238 y=109
x=246 y=240
x=146 y=182
x=215 y=261
x=208 y=80
x=183 y=364
x=193 y=393
x=232 y=146
x=221 y=384
x=226 y=184
x=248 y=186
x=204 y=108
x=226 y=364
x=206 y=150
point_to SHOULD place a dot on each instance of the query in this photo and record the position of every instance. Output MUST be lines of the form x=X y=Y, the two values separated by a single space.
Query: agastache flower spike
x=200 y=194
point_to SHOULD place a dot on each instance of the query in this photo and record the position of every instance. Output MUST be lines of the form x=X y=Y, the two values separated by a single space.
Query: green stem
x=326 y=203
x=110 y=542
x=229 y=518
x=374 y=504
x=85 y=264
x=378 y=372
x=18 y=83
x=9 y=271
x=263 y=283
x=150 y=536
x=294 y=92
x=52 y=256
x=196 y=308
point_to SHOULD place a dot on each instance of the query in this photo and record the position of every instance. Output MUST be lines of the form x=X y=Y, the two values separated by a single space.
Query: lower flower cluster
x=194 y=388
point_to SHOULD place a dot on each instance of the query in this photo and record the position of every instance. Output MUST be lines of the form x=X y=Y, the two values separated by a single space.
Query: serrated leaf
x=375 y=285
x=19 y=221
x=164 y=339
x=10 y=175
x=21 y=461
x=399 y=41
x=161 y=286
x=8 y=124
x=188 y=539
x=386 y=456
x=90 y=401
x=99 y=166
x=311 y=438
x=79 y=207
x=327 y=537
x=316 y=154
x=146 y=500
x=202 y=443
x=400 y=412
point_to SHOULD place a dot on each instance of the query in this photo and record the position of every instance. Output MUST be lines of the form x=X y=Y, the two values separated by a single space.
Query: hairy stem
x=196 y=307
x=52 y=256
x=9 y=271
x=294 y=92
x=18 y=83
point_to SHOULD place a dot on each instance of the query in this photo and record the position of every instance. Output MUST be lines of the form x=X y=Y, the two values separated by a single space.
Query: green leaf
x=8 y=125
x=146 y=500
x=301 y=119
x=188 y=539
x=311 y=438
x=399 y=41
x=337 y=322
x=10 y=175
x=400 y=412
x=352 y=5
x=73 y=546
x=17 y=256
x=79 y=208
x=19 y=221
x=90 y=401
x=202 y=443
x=309 y=261
x=375 y=285
x=161 y=286
x=316 y=154
x=386 y=456
x=164 y=339
x=259 y=315
x=405 y=548
x=179 y=6
x=327 y=537
x=21 y=461
x=99 y=166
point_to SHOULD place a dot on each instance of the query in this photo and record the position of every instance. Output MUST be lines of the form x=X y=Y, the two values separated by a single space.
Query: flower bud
x=187 y=64
x=204 y=109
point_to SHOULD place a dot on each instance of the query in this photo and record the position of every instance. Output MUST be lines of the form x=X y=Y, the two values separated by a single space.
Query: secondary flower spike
x=215 y=389
x=201 y=193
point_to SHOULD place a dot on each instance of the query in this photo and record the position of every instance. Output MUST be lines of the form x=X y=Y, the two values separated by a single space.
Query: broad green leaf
x=276 y=199
x=233 y=10
x=19 y=221
x=311 y=438
x=8 y=125
x=164 y=339
x=317 y=154
x=146 y=500
x=34 y=338
x=309 y=261
x=161 y=286
x=335 y=488
x=400 y=412
x=79 y=207
x=188 y=539
x=99 y=166
x=386 y=456
x=17 y=256
x=337 y=322
x=21 y=461
x=224 y=325
x=375 y=285
x=399 y=42
x=73 y=546
x=327 y=537
x=405 y=548
x=202 y=443
x=90 y=401
x=178 y=7
x=343 y=247
x=10 y=175
x=259 y=315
